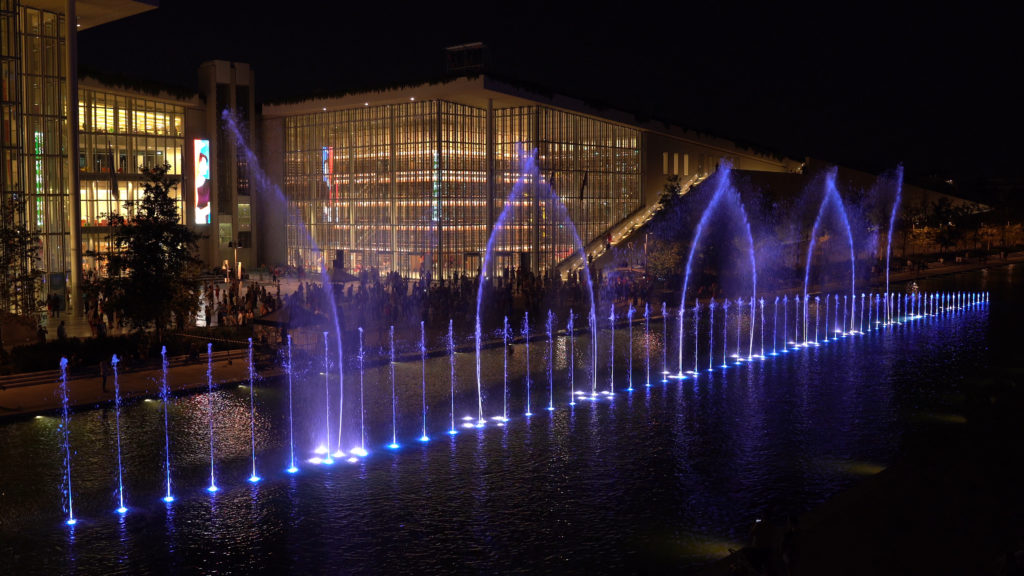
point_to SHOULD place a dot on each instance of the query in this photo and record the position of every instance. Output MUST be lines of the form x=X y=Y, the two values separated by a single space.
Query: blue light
x=359 y=451
x=213 y=488
x=71 y=522
x=453 y=432
x=424 y=438
x=292 y=470
x=393 y=446
x=121 y=510
x=168 y=499
x=254 y=478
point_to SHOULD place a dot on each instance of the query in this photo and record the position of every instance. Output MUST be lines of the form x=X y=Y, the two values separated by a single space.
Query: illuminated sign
x=201 y=165
x=327 y=169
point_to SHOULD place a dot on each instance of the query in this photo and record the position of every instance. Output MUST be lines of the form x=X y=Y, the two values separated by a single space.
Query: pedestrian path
x=40 y=392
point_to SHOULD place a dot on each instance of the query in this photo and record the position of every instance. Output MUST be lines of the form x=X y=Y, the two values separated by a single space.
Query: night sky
x=866 y=88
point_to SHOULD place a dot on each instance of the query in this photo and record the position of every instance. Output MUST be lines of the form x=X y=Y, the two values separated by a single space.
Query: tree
x=19 y=248
x=672 y=189
x=152 y=272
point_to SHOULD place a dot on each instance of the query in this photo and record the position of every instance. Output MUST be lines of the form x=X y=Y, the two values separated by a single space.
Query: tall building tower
x=228 y=88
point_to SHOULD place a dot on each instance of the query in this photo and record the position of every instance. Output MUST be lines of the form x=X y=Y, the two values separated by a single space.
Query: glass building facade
x=406 y=187
x=33 y=114
x=118 y=136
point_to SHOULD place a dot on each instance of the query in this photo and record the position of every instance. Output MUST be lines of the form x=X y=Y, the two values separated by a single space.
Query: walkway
x=39 y=392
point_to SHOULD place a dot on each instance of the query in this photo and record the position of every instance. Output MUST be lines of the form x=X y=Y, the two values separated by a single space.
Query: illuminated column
x=71 y=101
x=391 y=187
x=490 y=145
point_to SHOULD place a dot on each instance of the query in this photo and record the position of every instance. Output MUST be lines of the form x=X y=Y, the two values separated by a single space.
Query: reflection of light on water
x=943 y=417
x=854 y=467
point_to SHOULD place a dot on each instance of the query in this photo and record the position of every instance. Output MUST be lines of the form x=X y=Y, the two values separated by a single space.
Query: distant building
x=413 y=179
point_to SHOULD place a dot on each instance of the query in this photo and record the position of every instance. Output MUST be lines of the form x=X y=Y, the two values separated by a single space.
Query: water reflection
x=678 y=473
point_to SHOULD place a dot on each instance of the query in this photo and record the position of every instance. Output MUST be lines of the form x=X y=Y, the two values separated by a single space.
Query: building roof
x=481 y=89
x=92 y=13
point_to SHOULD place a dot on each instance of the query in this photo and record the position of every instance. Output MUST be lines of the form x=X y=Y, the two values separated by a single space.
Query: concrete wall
x=269 y=205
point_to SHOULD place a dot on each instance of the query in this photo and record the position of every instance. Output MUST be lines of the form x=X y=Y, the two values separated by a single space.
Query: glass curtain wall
x=393 y=187
x=594 y=167
x=45 y=130
x=404 y=187
x=119 y=136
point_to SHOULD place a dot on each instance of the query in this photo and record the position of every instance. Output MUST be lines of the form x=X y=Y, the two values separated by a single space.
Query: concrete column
x=490 y=146
x=74 y=186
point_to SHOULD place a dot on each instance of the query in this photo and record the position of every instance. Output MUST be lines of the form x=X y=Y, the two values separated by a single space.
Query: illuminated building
x=413 y=179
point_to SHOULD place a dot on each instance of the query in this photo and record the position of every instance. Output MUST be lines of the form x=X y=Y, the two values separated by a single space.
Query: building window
x=664 y=163
x=675 y=163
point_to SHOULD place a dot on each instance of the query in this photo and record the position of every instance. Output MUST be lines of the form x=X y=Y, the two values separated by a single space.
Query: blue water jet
x=647 y=343
x=209 y=405
x=65 y=428
x=892 y=223
x=530 y=181
x=165 y=397
x=572 y=358
x=831 y=199
x=252 y=414
x=394 y=396
x=551 y=360
x=526 y=340
x=664 y=342
x=117 y=419
x=629 y=368
x=292 y=469
x=361 y=450
x=724 y=192
x=711 y=335
x=611 y=345
x=423 y=378
x=451 y=367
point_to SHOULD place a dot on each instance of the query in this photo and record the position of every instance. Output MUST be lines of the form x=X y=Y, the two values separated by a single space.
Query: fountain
x=832 y=199
x=530 y=182
x=647 y=344
x=696 y=337
x=361 y=449
x=664 y=342
x=423 y=378
x=209 y=404
x=252 y=414
x=629 y=367
x=611 y=355
x=65 y=428
x=725 y=333
x=292 y=469
x=526 y=340
x=572 y=359
x=394 y=395
x=724 y=195
x=451 y=367
x=117 y=419
x=165 y=398
x=739 y=327
x=775 y=328
x=325 y=449
x=711 y=335
x=551 y=362
x=504 y=354
x=892 y=223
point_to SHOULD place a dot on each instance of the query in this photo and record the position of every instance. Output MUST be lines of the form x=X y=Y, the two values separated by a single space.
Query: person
x=62 y=332
x=41 y=333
